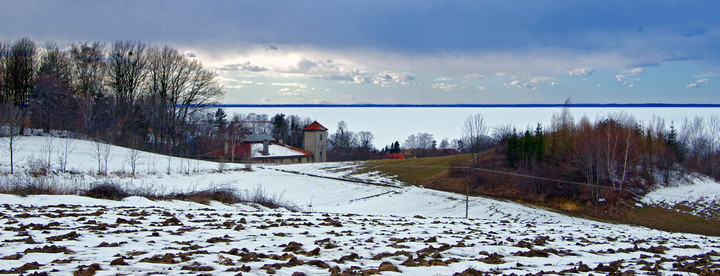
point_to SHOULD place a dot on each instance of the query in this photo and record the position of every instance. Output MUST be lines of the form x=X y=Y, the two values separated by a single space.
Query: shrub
x=224 y=195
x=25 y=185
x=107 y=190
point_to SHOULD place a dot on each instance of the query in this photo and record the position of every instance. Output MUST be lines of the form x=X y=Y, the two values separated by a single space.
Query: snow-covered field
x=350 y=226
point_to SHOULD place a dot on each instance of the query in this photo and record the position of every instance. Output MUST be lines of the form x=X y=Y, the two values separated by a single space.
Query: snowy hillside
x=348 y=225
x=694 y=194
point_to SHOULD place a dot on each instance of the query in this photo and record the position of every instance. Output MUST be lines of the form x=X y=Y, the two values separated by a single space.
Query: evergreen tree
x=671 y=140
x=220 y=119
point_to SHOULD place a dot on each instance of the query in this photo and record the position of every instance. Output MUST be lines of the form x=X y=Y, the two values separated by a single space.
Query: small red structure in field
x=394 y=156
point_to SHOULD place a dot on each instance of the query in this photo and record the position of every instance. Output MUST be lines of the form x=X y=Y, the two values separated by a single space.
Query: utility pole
x=467 y=192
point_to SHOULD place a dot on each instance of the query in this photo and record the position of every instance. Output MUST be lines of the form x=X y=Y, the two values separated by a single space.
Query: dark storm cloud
x=414 y=26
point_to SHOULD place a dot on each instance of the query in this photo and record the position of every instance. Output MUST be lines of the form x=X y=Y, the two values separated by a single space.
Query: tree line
x=615 y=156
x=127 y=93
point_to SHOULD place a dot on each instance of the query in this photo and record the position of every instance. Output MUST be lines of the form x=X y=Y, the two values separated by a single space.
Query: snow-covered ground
x=695 y=194
x=347 y=224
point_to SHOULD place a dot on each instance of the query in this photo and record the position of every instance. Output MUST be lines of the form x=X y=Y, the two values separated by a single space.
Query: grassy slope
x=416 y=172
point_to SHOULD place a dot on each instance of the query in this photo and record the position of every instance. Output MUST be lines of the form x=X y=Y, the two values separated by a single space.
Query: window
x=299 y=160
x=320 y=137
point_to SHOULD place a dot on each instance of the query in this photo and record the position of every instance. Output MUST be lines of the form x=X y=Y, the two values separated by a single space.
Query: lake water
x=390 y=124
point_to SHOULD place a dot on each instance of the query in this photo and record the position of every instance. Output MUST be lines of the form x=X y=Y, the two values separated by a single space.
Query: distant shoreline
x=612 y=105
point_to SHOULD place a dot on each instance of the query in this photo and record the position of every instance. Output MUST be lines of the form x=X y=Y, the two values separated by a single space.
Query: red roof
x=241 y=150
x=315 y=126
x=394 y=156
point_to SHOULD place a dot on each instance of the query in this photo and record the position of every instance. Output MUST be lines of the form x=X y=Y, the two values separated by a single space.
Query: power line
x=526 y=176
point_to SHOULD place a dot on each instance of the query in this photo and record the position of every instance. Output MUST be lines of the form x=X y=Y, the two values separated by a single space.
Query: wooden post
x=467 y=192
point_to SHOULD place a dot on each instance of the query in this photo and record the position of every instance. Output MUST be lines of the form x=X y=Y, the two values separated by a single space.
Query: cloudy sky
x=413 y=52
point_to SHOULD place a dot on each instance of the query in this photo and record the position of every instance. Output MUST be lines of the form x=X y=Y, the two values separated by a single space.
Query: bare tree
x=475 y=132
x=419 y=144
x=654 y=141
x=87 y=69
x=444 y=143
x=101 y=153
x=714 y=137
x=366 y=138
x=66 y=148
x=586 y=156
x=4 y=96
x=126 y=73
x=47 y=148
x=20 y=70
x=11 y=119
x=132 y=157
x=178 y=88
x=343 y=141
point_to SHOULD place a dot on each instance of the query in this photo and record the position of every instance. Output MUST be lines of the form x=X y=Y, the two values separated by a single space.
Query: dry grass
x=415 y=170
x=669 y=220
x=431 y=173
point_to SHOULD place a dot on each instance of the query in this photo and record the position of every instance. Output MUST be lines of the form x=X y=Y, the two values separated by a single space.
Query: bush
x=224 y=195
x=260 y=197
x=107 y=190
x=25 y=185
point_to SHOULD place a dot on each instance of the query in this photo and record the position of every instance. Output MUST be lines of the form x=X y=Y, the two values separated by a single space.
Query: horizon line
x=693 y=105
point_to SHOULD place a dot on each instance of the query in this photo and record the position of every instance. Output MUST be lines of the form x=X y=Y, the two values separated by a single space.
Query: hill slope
x=371 y=223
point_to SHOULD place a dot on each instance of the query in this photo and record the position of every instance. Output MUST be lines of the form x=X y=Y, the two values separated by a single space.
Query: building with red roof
x=315 y=141
x=263 y=148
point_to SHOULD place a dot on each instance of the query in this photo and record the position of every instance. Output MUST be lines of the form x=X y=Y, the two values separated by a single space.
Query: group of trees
x=345 y=144
x=128 y=93
x=613 y=155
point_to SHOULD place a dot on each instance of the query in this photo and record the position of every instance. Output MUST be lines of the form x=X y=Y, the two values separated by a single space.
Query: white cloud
x=697 y=83
x=289 y=84
x=236 y=86
x=631 y=85
x=360 y=79
x=246 y=66
x=599 y=85
x=444 y=86
x=624 y=75
x=362 y=65
x=292 y=92
x=230 y=83
x=637 y=70
x=553 y=83
x=265 y=100
x=387 y=78
x=481 y=88
x=518 y=84
x=581 y=72
x=443 y=79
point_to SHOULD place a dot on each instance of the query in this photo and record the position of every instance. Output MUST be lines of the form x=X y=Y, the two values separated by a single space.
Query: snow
x=274 y=151
x=700 y=193
x=344 y=213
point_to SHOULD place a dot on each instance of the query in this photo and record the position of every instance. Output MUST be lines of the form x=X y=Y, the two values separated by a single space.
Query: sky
x=413 y=52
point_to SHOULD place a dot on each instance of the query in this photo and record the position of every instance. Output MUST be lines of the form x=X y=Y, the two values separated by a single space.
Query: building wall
x=285 y=160
x=316 y=142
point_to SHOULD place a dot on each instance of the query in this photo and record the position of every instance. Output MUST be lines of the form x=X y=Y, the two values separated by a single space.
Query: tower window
x=320 y=137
